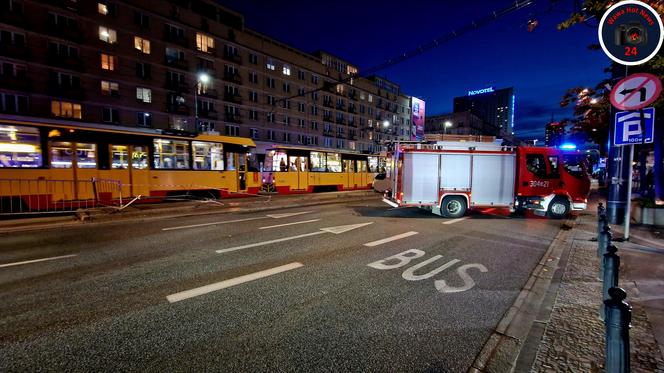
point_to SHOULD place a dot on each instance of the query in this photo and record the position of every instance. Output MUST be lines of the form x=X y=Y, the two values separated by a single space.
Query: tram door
x=361 y=175
x=298 y=165
x=130 y=165
x=349 y=169
x=241 y=172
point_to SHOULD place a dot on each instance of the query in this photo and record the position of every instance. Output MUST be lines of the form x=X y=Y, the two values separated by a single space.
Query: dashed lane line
x=455 y=220
x=231 y=282
x=390 y=239
x=287 y=224
x=36 y=260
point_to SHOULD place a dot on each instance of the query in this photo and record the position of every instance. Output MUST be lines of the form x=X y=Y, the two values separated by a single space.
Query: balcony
x=68 y=62
x=233 y=118
x=175 y=38
x=181 y=64
x=66 y=91
x=21 y=83
x=176 y=85
x=233 y=78
x=233 y=97
x=207 y=113
x=232 y=57
x=209 y=50
x=72 y=33
x=209 y=92
x=181 y=109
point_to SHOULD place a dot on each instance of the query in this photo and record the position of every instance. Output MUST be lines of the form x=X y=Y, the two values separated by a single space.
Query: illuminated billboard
x=417 y=119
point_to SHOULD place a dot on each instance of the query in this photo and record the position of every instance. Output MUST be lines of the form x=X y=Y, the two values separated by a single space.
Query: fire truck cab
x=449 y=177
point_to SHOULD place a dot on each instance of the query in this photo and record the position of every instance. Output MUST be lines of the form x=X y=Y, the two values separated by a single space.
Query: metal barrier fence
x=22 y=196
x=614 y=311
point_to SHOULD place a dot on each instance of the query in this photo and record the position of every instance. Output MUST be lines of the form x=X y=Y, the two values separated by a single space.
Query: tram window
x=279 y=161
x=373 y=164
x=86 y=156
x=230 y=158
x=361 y=166
x=171 y=154
x=208 y=156
x=333 y=162
x=119 y=157
x=139 y=157
x=317 y=161
x=297 y=163
x=349 y=166
x=20 y=147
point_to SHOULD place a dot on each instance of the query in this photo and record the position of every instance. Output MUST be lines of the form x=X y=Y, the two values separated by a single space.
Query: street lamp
x=201 y=78
x=446 y=125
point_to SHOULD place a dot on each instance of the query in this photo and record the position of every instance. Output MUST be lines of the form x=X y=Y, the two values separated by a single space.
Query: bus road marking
x=287 y=224
x=455 y=220
x=390 y=239
x=273 y=216
x=231 y=282
x=36 y=260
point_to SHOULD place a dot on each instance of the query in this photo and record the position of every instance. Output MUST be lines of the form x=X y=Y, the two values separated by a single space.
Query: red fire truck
x=449 y=177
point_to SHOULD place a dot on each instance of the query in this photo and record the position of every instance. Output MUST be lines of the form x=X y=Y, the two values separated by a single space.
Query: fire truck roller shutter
x=493 y=179
x=420 y=180
x=455 y=172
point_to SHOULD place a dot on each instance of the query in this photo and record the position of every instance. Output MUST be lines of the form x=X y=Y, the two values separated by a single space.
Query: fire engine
x=450 y=177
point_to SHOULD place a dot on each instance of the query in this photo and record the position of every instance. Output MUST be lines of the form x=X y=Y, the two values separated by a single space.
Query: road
x=303 y=289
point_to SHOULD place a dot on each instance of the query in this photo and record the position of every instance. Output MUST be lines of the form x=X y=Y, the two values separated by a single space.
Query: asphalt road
x=117 y=297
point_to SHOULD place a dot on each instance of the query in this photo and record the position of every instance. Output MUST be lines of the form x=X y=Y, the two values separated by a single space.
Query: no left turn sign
x=636 y=91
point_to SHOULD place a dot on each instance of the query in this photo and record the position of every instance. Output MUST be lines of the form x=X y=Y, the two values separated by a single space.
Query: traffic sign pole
x=628 y=208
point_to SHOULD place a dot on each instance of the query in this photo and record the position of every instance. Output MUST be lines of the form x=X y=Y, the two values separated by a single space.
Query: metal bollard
x=603 y=243
x=618 y=318
x=601 y=218
x=611 y=264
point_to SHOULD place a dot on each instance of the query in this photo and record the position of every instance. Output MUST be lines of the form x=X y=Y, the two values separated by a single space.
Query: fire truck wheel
x=559 y=208
x=453 y=207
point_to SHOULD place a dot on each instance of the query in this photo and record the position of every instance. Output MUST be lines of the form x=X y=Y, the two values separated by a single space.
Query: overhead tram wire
x=484 y=21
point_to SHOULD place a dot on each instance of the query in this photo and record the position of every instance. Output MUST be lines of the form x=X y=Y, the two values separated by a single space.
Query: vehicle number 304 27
x=539 y=183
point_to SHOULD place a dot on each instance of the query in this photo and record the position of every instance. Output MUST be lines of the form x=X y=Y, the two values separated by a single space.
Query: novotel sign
x=480 y=91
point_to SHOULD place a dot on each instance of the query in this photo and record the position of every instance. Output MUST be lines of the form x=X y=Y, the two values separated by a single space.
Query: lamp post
x=201 y=78
x=446 y=125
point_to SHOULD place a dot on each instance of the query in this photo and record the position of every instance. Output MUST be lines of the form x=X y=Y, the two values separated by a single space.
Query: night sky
x=540 y=65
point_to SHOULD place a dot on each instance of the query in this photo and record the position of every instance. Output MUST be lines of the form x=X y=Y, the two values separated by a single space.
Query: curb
x=169 y=213
x=501 y=351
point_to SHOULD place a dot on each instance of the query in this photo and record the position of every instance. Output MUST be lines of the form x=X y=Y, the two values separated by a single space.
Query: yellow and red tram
x=144 y=161
x=290 y=169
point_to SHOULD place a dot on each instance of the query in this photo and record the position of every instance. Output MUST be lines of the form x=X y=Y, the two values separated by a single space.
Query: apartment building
x=186 y=66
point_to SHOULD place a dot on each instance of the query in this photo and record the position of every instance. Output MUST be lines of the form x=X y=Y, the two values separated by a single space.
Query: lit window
x=108 y=62
x=109 y=88
x=142 y=45
x=270 y=64
x=286 y=69
x=102 y=8
x=317 y=161
x=66 y=109
x=144 y=119
x=61 y=155
x=107 y=35
x=171 y=154
x=20 y=147
x=204 y=43
x=208 y=156
x=144 y=94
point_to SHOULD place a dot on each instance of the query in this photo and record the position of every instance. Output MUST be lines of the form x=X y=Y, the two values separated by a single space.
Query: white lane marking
x=213 y=223
x=455 y=220
x=336 y=230
x=273 y=216
x=36 y=260
x=268 y=242
x=287 y=224
x=390 y=239
x=231 y=282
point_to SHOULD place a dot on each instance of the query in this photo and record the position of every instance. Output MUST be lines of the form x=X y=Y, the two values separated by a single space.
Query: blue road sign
x=630 y=130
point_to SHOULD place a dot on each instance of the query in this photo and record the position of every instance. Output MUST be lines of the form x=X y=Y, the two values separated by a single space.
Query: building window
x=13 y=104
x=301 y=123
x=110 y=115
x=254 y=133
x=253 y=114
x=270 y=65
x=110 y=88
x=286 y=87
x=253 y=59
x=253 y=96
x=208 y=155
x=232 y=130
x=301 y=107
x=144 y=94
x=102 y=8
x=270 y=117
x=143 y=70
x=171 y=154
x=142 y=19
x=108 y=62
x=286 y=69
x=64 y=109
x=314 y=79
x=253 y=77
x=107 y=35
x=174 y=55
x=144 y=119
x=142 y=45
x=270 y=82
x=204 y=43
x=20 y=147
x=270 y=135
x=286 y=137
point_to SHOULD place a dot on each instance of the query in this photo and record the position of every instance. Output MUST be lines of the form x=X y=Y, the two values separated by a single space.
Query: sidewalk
x=183 y=209
x=574 y=337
